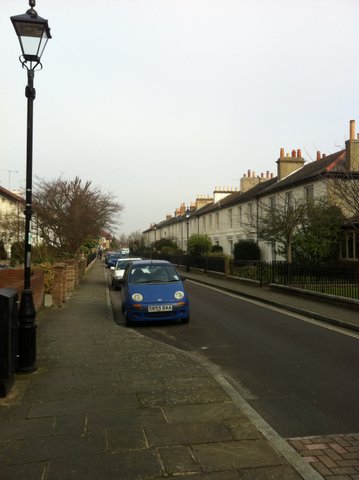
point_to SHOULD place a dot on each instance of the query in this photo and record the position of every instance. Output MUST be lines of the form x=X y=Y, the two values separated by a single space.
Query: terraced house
x=11 y=218
x=230 y=215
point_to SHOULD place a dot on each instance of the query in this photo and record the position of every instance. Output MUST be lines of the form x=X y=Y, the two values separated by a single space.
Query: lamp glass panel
x=33 y=38
x=42 y=44
x=30 y=45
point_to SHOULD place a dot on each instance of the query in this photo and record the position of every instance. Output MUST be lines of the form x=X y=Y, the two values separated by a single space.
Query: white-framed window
x=288 y=199
x=250 y=210
x=309 y=193
x=272 y=203
x=230 y=244
x=240 y=215
x=230 y=218
x=217 y=220
x=349 y=245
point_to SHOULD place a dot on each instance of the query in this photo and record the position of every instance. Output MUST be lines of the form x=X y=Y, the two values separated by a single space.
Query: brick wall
x=68 y=275
x=14 y=278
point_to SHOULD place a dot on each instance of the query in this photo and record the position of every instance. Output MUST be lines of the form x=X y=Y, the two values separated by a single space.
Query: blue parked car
x=112 y=258
x=152 y=290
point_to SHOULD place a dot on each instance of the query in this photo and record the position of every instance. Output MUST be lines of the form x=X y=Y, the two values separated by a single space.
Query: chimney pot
x=318 y=155
x=281 y=153
x=299 y=153
x=352 y=129
x=294 y=154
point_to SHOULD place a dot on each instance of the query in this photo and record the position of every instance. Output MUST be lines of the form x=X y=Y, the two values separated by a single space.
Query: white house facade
x=233 y=215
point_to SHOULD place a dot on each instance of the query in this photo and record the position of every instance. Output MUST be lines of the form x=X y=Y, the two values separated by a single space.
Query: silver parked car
x=119 y=269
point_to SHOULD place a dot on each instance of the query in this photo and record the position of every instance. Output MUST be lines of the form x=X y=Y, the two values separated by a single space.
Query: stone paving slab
x=219 y=456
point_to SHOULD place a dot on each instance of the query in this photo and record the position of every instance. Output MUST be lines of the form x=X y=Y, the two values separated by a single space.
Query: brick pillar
x=59 y=287
x=82 y=268
x=70 y=277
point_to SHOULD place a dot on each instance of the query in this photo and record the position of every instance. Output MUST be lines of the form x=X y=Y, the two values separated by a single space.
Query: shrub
x=164 y=244
x=246 y=250
x=3 y=254
x=199 y=245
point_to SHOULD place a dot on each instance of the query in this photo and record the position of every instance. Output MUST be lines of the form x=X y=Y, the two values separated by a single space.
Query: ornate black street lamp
x=33 y=33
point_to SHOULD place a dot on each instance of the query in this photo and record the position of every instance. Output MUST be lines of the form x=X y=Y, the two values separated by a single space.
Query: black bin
x=9 y=326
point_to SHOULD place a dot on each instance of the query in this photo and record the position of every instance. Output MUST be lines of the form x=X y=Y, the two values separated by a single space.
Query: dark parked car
x=112 y=258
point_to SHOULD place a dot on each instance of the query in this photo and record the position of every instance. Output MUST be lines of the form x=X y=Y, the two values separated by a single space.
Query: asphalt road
x=301 y=377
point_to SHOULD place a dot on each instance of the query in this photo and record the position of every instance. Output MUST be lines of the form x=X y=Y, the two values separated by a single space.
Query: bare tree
x=70 y=211
x=277 y=224
x=136 y=241
x=344 y=192
x=311 y=228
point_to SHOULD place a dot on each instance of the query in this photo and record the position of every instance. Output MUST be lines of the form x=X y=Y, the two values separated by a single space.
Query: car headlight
x=137 y=297
x=179 y=295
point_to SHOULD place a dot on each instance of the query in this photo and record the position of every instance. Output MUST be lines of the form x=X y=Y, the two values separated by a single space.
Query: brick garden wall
x=68 y=275
x=14 y=278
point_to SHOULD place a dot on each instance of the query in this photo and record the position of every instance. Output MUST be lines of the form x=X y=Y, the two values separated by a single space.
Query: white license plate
x=160 y=308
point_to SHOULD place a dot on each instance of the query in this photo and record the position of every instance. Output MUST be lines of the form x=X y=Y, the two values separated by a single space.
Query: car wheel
x=122 y=308
x=185 y=320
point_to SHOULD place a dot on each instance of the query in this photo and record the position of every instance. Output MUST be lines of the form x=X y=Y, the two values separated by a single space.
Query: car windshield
x=153 y=274
x=122 y=265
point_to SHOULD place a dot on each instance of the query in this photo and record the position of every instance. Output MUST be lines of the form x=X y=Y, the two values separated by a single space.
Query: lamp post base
x=27 y=334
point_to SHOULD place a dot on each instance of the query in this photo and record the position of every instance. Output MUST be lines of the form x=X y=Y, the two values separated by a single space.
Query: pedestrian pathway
x=109 y=403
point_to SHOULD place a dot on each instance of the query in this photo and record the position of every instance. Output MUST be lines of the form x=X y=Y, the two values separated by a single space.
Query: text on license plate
x=159 y=308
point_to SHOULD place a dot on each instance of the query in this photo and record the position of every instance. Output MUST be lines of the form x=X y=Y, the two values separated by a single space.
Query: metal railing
x=341 y=279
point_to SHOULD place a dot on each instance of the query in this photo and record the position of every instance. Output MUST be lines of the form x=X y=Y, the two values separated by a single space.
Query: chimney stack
x=352 y=135
x=289 y=164
x=352 y=149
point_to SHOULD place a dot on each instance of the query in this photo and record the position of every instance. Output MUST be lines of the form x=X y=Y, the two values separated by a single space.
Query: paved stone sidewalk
x=335 y=457
x=109 y=403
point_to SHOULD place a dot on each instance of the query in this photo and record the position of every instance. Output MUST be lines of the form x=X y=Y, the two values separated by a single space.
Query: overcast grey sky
x=158 y=101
